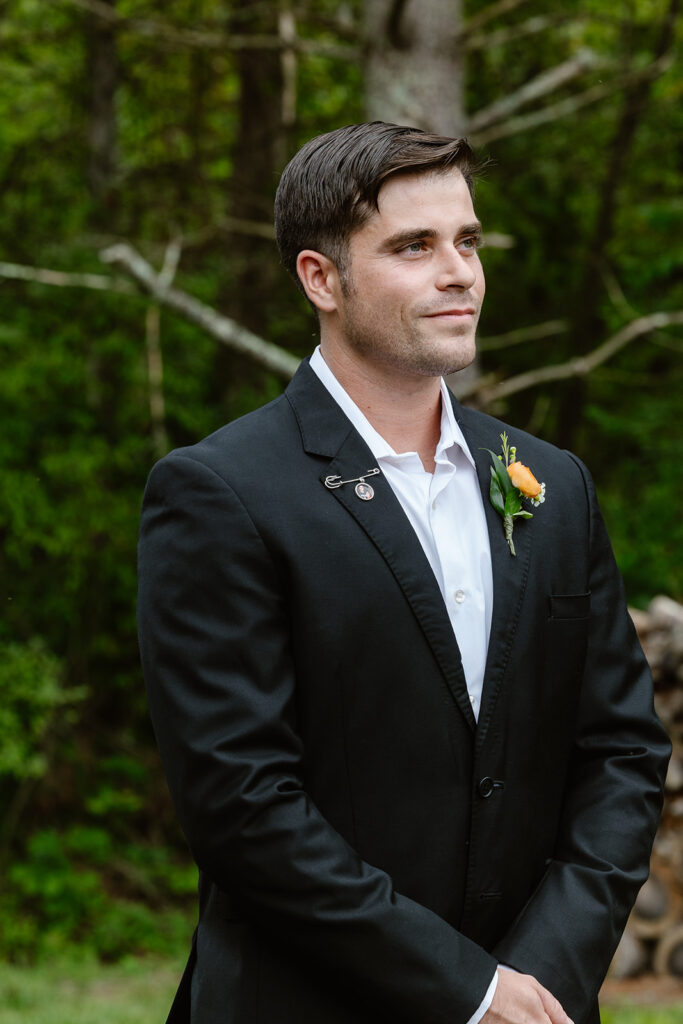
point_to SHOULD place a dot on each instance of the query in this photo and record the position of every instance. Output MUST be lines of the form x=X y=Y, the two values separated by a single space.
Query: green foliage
x=638 y=489
x=81 y=887
x=549 y=188
x=31 y=694
x=91 y=847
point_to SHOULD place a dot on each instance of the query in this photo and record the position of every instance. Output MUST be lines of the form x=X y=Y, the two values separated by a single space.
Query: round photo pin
x=364 y=491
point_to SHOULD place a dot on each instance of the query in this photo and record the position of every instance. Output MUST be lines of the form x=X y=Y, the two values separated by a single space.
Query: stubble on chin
x=439 y=358
x=409 y=348
x=462 y=359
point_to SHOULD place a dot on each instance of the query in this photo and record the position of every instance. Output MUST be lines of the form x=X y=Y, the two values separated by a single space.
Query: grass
x=140 y=991
x=640 y=1015
x=71 y=992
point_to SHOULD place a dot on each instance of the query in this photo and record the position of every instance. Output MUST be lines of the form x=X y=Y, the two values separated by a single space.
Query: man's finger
x=553 y=1007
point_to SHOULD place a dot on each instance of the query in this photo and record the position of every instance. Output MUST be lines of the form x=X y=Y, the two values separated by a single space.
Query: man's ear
x=320 y=279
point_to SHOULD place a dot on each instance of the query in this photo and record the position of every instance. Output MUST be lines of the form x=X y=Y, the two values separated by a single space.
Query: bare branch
x=155 y=361
x=624 y=307
x=542 y=405
x=19 y=272
x=569 y=105
x=260 y=229
x=171 y=261
x=207 y=40
x=533 y=333
x=579 y=367
x=497 y=240
x=493 y=10
x=616 y=293
x=530 y=27
x=662 y=341
x=202 y=236
x=547 y=81
x=225 y=330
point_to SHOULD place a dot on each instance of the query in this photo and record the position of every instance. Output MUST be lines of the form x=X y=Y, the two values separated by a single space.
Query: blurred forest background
x=142 y=305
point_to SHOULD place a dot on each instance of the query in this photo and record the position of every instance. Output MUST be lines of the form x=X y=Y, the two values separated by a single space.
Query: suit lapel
x=326 y=431
x=509 y=573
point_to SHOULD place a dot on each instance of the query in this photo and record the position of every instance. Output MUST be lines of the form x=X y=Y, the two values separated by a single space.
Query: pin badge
x=363 y=491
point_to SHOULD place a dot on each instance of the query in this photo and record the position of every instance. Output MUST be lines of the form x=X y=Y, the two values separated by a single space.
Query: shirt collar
x=451 y=434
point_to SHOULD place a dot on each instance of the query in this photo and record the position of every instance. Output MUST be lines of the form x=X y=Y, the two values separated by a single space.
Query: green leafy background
x=90 y=855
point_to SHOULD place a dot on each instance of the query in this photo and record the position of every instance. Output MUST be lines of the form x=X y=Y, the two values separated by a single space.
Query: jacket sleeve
x=214 y=638
x=568 y=931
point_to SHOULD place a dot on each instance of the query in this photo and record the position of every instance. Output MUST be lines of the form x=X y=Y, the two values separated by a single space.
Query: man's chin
x=460 y=360
x=459 y=366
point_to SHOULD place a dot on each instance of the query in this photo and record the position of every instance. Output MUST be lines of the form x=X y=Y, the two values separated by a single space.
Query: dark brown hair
x=330 y=188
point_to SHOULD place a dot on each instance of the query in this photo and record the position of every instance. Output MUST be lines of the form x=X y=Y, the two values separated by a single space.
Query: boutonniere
x=511 y=484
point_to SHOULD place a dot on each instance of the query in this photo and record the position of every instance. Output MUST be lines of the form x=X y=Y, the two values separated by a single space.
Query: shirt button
x=434 y=502
x=459 y=596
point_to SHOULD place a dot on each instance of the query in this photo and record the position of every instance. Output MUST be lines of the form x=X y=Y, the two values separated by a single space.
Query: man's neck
x=406 y=412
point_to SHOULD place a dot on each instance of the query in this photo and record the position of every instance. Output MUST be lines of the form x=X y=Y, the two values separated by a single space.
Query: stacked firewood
x=653 y=940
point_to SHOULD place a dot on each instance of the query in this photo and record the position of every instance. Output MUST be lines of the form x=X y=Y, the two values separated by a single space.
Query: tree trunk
x=103 y=67
x=415 y=64
x=250 y=296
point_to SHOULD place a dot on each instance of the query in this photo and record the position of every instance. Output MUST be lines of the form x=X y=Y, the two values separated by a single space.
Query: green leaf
x=513 y=502
x=501 y=473
x=496 y=495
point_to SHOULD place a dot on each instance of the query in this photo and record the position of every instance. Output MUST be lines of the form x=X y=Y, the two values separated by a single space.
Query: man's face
x=415 y=283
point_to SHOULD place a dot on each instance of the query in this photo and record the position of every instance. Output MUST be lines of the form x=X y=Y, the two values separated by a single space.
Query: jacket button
x=485 y=787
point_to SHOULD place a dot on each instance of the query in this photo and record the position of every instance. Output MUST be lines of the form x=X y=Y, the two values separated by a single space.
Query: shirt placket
x=455 y=584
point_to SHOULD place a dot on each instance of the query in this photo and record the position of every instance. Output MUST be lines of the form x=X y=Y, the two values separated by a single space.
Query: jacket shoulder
x=247 y=439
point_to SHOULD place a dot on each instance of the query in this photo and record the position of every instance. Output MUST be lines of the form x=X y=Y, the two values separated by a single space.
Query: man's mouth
x=467 y=311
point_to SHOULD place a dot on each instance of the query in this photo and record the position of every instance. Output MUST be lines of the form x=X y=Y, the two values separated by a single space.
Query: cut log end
x=668 y=957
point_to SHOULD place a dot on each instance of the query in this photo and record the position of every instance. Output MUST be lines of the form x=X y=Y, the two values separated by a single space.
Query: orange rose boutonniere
x=511 y=484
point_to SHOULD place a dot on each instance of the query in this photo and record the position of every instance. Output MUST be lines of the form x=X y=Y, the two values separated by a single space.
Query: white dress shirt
x=446 y=510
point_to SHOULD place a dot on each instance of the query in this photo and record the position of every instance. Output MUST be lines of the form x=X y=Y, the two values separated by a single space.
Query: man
x=420 y=775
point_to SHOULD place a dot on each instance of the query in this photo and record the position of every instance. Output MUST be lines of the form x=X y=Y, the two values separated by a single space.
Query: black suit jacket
x=367 y=852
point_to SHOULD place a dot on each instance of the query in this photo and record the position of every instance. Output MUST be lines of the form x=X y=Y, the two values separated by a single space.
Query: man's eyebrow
x=413 y=234
x=474 y=228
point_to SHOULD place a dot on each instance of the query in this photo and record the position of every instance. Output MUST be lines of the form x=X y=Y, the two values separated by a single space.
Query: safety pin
x=332 y=482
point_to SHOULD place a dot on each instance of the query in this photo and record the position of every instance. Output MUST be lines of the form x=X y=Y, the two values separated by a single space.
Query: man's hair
x=331 y=187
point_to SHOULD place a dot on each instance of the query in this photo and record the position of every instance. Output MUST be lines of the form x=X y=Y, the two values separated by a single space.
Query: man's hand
x=520 y=999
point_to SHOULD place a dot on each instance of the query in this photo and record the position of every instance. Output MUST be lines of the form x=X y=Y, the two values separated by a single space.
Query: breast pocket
x=569 y=606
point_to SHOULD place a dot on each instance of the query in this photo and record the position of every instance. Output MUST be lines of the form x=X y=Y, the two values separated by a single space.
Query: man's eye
x=414 y=248
x=469 y=244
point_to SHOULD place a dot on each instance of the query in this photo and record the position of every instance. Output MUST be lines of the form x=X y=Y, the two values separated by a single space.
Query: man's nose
x=455 y=270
